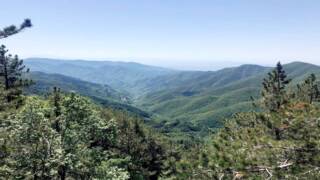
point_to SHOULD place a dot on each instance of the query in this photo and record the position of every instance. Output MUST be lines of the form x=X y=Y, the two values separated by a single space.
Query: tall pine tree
x=274 y=89
x=11 y=67
x=11 y=71
x=308 y=91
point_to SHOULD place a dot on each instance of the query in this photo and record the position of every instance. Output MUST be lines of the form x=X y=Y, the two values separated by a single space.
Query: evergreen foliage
x=274 y=93
x=11 y=30
x=309 y=91
x=11 y=70
x=68 y=136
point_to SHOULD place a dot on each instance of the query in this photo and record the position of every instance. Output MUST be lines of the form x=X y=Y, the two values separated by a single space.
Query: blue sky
x=187 y=34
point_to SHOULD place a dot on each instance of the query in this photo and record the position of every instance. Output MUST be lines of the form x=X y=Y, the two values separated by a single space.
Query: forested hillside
x=180 y=101
x=44 y=83
x=227 y=92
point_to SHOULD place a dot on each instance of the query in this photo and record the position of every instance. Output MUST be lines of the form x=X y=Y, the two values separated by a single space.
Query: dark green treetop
x=274 y=89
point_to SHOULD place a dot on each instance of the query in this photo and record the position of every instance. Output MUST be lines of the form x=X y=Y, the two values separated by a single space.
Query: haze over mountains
x=120 y=75
x=178 y=100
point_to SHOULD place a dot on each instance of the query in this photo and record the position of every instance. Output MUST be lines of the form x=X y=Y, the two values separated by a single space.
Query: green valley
x=182 y=101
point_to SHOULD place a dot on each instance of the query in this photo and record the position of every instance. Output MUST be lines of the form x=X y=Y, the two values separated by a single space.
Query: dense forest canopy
x=64 y=135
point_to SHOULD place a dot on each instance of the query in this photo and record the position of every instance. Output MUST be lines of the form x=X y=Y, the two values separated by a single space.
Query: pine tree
x=274 y=89
x=11 y=30
x=308 y=91
x=11 y=71
x=55 y=100
x=10 y=82
x=147 y=154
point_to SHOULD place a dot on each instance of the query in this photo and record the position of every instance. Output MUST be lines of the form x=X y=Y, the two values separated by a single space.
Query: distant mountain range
x=179 y=100
x=119 y=75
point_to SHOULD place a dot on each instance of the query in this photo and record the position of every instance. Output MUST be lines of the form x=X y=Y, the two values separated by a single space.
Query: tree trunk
x=6 y=79
x=278 y=133
x=62 y=173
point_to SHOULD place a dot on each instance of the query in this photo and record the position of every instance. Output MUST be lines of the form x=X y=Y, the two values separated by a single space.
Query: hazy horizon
x=200 y=67
x=193 y=35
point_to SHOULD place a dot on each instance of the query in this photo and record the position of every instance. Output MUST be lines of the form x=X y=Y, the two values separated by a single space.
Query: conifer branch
x=11 y=30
